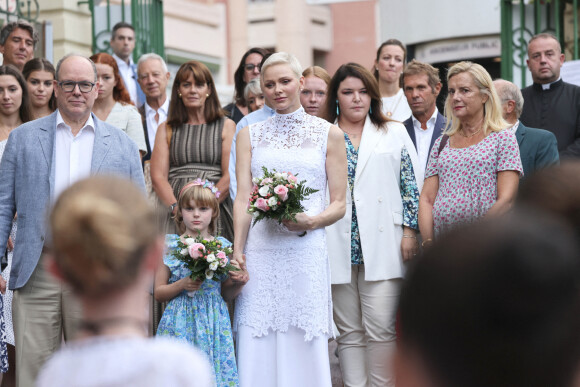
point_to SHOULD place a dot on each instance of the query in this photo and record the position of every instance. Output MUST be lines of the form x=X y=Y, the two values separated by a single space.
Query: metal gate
x=146 y=16
x=521 y=19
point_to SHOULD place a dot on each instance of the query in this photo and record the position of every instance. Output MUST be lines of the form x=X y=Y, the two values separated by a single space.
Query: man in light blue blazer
x=421 y=84
x=538 y=147
x=41 y=159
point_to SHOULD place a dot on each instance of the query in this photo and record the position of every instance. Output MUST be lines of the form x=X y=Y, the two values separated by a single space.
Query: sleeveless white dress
x=283 y=315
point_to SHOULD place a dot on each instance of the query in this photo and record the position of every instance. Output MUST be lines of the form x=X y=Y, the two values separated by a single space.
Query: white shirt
x=514 y=128
x=129 y=77
x=73 y=154
x=423 y=137
x=152 y=125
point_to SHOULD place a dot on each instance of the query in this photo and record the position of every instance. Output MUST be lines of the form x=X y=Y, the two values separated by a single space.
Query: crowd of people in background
x=410 y=251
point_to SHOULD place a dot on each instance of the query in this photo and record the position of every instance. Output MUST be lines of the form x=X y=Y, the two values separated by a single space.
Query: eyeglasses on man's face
x=69 y=86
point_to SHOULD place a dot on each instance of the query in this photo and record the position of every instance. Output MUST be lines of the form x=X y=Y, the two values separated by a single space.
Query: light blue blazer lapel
x=369 y=140
x=46 y=137
x=101 y=145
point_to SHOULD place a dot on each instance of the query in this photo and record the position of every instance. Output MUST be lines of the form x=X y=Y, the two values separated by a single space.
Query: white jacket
x=379 y=206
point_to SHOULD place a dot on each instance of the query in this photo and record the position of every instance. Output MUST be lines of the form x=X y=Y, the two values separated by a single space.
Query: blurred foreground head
x=556 y=190
x=102 y=231
x=495 y=304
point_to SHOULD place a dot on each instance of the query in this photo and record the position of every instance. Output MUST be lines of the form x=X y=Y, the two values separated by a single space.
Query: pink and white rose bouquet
x=278 y=196
x=205 y=259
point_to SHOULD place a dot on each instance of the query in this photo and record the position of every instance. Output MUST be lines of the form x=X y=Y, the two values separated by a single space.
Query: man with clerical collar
x=551 y=103
x=123 y=43
x=421 y=85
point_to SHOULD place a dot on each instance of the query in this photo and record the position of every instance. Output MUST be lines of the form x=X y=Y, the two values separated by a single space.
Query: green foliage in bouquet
x=278 y=196
x=205 y=259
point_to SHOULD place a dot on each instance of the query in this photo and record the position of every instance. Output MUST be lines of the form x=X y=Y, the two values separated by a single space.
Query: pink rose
x=267 y=180
x=196 y=250
x=221 y=255
x=292 y=178
x=262 y=204
x=282 y=192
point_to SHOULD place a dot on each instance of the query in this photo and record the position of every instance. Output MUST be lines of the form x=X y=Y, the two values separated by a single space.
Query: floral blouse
x=409 y=195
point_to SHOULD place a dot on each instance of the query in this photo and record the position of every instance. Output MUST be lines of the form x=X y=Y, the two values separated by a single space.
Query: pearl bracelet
x=409 y=236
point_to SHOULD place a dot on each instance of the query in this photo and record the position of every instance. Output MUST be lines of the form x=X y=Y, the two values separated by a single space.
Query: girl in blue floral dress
x=196 y=311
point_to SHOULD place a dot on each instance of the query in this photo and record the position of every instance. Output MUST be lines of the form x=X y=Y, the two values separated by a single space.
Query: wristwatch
x=172 y=207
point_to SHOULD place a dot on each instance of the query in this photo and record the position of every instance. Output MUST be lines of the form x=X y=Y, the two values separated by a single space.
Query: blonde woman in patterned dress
x=194 y=143
x=284 y=313
x=477 y=170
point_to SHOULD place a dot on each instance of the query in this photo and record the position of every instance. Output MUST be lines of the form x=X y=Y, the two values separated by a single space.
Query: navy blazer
x=27 y=173
x=437 y=131
x=538 y=148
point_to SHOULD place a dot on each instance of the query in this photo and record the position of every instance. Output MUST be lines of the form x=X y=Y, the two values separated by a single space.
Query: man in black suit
x=538 y=147
x=551 y=103
x=421 y=84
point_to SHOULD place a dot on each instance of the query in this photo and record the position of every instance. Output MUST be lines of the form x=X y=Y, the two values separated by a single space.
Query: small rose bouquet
x=205 y=259
x=277 y=195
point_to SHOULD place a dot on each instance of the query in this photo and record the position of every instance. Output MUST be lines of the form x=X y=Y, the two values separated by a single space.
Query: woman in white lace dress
x=284 y=314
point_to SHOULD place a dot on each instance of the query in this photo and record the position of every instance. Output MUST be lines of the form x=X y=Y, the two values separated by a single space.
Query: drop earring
x=179 y=95
x=371 y=109
x=337 y=111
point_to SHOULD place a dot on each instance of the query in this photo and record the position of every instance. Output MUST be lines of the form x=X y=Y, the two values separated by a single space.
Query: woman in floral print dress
x=476 y=171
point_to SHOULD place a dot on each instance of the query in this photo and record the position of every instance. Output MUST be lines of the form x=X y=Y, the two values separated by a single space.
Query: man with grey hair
x=153 y=77
x=538 y=147
x=17 y=42
x=41 y=159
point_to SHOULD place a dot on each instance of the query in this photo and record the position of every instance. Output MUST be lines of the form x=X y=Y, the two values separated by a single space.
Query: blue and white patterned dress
x=202 y=320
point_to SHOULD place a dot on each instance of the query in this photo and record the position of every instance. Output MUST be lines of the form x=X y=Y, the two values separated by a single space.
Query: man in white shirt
x=123 y=43
x=421 y=84
x=41 y=159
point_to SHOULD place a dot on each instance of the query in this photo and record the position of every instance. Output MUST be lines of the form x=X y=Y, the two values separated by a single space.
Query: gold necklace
x=472 y=134
x=391 y=111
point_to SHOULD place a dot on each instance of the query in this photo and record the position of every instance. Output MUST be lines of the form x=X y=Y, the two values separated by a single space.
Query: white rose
x=189 y=241
x=278 y=175
x=255 y=214
x=272 y=201
x=209 y=274
x=263 y=191
x=210 y=258
x=256 y=180
x=184 y=252
x=213 y=265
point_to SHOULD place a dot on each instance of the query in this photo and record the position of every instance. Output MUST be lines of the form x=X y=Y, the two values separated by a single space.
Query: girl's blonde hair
x=101 y=230
x=492 y=111
x=201 y=196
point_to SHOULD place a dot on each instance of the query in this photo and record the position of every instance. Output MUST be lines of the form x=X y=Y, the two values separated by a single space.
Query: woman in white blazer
x=369 y=246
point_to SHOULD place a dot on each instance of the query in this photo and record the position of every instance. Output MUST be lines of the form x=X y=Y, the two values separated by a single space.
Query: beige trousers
x=364 y=314
x=44 y=312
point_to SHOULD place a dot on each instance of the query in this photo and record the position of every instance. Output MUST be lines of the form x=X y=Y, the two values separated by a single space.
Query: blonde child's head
x=102 y=229
x=204 y=194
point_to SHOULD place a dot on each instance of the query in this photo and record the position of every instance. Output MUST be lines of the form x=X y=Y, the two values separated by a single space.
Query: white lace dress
x=284 y=313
